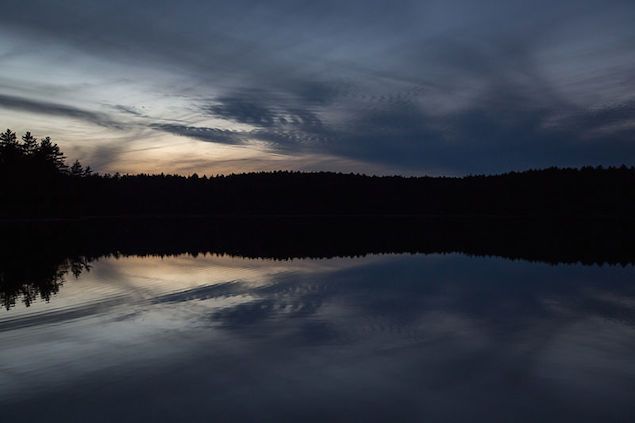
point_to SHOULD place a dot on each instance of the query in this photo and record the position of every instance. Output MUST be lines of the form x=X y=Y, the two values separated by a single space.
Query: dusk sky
x=405 y=87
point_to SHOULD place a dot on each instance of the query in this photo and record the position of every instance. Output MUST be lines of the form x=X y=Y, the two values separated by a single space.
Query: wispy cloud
x=202 y=133
x=46 y=108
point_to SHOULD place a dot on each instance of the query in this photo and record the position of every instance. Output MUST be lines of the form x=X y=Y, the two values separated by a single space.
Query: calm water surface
x=379 y=338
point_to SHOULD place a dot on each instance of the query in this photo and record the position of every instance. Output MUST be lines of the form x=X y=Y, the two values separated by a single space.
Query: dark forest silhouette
x=30 y=278
x=35 y=182
x=552 y=215
x=36 y=256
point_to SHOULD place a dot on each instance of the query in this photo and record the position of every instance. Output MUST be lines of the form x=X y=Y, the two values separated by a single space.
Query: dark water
x=394 y=337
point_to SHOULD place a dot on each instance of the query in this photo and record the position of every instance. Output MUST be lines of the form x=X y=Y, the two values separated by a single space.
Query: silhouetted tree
x=76 y=169
x=25 y=278
x=29 y=144
x=50 y=153
x=36 y=182
x=9 y=148
x=41 y=255
x=8 y=139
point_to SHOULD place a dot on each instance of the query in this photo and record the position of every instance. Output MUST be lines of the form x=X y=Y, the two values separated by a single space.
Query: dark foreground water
x=379 y=338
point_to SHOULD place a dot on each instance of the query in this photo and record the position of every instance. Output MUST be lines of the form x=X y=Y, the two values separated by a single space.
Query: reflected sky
x=379 y=338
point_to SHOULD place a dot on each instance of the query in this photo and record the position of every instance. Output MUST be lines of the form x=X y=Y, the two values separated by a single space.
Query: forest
x=59 y=218
x=39 y=255
x=36 y=182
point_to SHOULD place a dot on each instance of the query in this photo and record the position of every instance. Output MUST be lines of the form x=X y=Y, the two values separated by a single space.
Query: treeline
x=40 y=255
x=35 y=181
x=29 y=280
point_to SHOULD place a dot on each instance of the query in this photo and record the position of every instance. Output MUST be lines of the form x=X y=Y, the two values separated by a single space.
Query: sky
x=448 y=87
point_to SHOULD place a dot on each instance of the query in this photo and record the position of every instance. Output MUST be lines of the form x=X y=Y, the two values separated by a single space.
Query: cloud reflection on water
x=377 y=338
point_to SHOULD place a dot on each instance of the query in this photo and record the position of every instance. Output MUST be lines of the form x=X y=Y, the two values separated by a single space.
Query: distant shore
x=555 y=240
x=312 y=217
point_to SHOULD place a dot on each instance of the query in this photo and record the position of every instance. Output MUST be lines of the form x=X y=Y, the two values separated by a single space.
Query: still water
x=376 y=338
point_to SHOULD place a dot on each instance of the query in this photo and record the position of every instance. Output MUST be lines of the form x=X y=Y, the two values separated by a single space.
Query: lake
x=380 y=337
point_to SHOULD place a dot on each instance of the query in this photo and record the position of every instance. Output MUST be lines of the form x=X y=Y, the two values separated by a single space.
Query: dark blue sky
x=413 y=87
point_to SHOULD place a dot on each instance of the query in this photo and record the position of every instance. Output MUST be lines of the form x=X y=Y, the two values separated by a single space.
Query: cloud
x=246 y=111
x=452 y=85
x=505 y=126
x=202 y=133
x=128 y=110
x=41 y=107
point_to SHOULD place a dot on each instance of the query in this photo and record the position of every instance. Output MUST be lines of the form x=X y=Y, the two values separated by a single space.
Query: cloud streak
x=202 y=133
x=54 y=109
